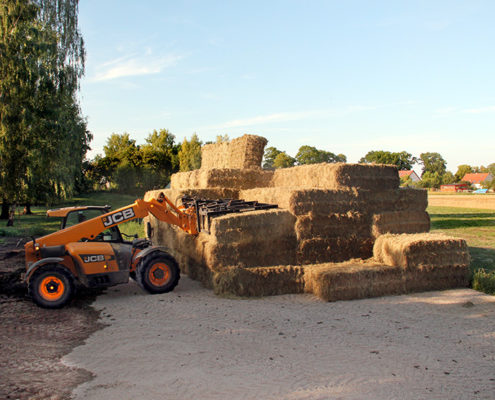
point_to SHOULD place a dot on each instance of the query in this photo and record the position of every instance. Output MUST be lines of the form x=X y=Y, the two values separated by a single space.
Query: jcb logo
x=117 y=217
x=91 y=258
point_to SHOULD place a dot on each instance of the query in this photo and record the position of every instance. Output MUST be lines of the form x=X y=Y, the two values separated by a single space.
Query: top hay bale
x=337 y=176
x=245 y=152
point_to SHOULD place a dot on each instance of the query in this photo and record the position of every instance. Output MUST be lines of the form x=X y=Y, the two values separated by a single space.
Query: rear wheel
x=158 y=273
x=51 y=286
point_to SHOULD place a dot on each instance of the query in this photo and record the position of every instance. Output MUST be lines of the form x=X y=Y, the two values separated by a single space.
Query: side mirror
x=149 y=230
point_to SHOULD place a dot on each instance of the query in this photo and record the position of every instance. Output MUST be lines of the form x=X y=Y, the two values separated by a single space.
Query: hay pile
x=245 y=152
x=328 y=213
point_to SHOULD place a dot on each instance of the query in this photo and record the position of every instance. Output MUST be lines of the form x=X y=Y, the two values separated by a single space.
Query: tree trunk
x=27 y=210
x=10 y=222
x=5 y=210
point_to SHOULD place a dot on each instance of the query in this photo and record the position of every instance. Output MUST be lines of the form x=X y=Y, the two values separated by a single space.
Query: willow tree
x=43 y=138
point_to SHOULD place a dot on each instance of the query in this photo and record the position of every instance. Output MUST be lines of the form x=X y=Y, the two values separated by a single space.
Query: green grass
x=477 y=227
x=39 y=224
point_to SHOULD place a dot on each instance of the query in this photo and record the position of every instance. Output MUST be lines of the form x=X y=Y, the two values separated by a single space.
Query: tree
x=43 y=138
x=269 y=157
x=190 y=154
x=461 y=171
x=491 y=169
x=403 y=160
x=283 y=160
x=433 y=163
x=311 y=155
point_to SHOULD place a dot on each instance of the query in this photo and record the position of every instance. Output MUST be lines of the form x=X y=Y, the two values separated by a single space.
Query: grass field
x=477 y=227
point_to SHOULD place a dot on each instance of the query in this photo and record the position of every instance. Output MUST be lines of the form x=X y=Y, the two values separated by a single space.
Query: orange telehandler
x=89 y=249
x=93 y=253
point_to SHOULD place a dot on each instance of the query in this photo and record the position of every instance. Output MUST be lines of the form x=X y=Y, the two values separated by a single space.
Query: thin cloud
x=480 y=110
x=290 y=116
x=134 y=66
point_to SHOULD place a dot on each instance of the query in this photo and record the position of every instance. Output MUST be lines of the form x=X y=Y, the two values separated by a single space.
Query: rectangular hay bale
x=421 y=250
x=336 y=249
x=353 y=280
x=400 y=222
x=338 y=175
x=224 y=178
x=266 y=281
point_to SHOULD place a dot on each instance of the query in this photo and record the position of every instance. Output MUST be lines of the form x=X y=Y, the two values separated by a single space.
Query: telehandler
x=89 y=249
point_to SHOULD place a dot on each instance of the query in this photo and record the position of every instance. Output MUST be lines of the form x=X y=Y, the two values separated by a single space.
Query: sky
x=343 y=76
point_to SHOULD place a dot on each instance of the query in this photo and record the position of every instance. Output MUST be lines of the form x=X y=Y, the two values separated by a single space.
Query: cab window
x=76 y=217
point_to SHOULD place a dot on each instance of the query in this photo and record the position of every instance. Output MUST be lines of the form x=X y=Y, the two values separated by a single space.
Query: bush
x=484 y=281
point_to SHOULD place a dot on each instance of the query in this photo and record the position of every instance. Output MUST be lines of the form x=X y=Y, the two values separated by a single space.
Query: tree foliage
x=190 y=154
x=403 y=160
x=131 y=168
x=283 y=160
x=269 y=157
x=461 y=171
x=43 y=137
x=311 y=155
x=433 y=163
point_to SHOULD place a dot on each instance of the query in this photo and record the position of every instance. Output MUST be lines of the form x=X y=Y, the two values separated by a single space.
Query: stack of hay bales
x=328 y=214
x=341 y=208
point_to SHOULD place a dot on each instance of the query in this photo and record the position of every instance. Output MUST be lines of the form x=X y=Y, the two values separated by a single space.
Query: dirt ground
x=33 y=340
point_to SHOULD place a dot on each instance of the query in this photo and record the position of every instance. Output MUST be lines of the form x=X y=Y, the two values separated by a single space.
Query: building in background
x=477 y=179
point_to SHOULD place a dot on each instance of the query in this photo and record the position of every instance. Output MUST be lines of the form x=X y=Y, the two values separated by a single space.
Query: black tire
x=158 y=273
x=51 y=286
x=132 y=274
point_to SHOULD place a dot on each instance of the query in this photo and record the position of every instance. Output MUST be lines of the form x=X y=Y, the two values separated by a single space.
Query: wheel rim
x=159 y=274
x=51 y=288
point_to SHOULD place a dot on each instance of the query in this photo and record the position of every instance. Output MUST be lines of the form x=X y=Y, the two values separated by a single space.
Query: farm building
x=455 y=187
x=411 y=174
x=477 y=179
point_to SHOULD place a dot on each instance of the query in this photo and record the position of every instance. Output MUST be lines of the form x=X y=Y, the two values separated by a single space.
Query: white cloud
x=134 y=66
x=480 y=110
x=290 y=116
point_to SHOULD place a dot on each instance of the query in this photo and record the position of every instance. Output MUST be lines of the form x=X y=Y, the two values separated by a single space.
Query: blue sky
x=343 y=76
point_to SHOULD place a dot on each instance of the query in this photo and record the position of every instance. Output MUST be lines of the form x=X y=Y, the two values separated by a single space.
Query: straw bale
x=245 y=152
x=252 y=226
x=215 y=155
x=265 y=281
x=403 y=199
x=225 y=178
x=400 y=222
x=421 y=250
x=337 y=176
x=353 y=280
x=436 y=277
x=333 y=225
x=335 y=249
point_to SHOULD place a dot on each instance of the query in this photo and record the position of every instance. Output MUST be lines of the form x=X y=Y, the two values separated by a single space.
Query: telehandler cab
x=89 y=250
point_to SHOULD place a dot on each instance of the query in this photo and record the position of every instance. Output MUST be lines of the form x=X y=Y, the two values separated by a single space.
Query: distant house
x=411 y=174
x=478 y=178
x=455 y=187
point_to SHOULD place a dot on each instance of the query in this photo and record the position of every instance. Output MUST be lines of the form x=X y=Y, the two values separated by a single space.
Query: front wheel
x=51 y=286
x=158 y=273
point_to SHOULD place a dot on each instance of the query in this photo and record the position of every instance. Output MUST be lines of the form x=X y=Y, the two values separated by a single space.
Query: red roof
x=405 y=173
x=476 y=178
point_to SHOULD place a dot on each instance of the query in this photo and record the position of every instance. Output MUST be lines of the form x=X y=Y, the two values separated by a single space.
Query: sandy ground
x=33 y=340
x=190 y=344
x=484 y=201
